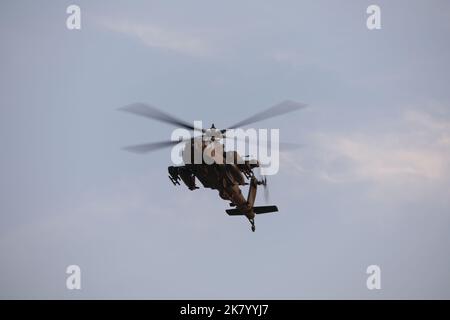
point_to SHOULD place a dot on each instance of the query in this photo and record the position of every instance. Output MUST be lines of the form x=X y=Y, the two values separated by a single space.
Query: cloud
x=371 y=159
x=157 y=37
x=414 y=150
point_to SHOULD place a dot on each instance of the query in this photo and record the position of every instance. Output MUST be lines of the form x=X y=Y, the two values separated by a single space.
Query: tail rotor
x=263 y=181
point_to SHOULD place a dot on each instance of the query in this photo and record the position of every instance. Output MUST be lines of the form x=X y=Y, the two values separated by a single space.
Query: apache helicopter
x=217 y=173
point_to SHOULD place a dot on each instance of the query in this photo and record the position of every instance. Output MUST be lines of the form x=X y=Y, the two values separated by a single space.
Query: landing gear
x=252 y=221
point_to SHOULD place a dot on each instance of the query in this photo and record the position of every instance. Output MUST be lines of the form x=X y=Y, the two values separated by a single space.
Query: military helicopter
x=225 y=176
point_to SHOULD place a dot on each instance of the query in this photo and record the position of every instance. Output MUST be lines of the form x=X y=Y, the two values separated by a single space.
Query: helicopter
x=215 y=170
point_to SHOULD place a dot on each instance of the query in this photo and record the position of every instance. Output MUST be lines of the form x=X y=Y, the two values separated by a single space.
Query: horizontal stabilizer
x=265 y=209
x=234 y=212
x=257 y=210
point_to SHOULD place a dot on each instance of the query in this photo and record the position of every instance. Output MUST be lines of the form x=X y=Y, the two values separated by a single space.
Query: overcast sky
x=371 y=184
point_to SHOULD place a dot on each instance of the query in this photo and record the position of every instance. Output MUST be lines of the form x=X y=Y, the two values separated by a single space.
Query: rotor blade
x=153 y=146
x=283 y=146
x=266 y=191
x=290 y=146
x=263 y=179
x=148 y=111
x=276 y=110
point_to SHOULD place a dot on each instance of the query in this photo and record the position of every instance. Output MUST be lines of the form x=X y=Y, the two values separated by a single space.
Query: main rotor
x=212 y=134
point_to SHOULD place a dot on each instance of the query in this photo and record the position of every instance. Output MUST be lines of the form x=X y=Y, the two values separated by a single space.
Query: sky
x=370 y=185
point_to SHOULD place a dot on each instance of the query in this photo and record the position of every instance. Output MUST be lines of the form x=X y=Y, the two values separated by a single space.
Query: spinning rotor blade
x=283 y=146
x=266 y=192
x=266 y=187
x=153 y=146
x=276 y=110
x=148 y=111
x=289 y=146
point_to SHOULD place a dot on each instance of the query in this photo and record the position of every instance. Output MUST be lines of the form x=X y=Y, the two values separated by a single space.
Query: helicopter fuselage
x=210 y=168
x=225 y=178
